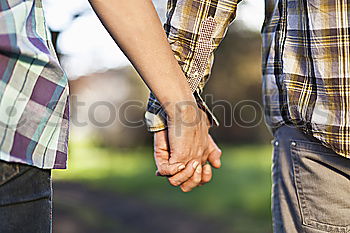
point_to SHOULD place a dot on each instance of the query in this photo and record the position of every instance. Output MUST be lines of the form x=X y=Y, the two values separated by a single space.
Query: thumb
x=162 y=154
x=214 y=158
x=215 y=154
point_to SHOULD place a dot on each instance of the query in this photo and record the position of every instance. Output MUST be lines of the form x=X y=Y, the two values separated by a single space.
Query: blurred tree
x=234 y=91
x=235 y=85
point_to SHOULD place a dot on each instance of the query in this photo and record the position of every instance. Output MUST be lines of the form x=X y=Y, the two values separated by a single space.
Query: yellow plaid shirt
x=305 y=61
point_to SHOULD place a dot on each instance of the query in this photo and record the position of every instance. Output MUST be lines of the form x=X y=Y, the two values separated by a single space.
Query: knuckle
x=158 y=154
x=163 y=171
x=160 y=173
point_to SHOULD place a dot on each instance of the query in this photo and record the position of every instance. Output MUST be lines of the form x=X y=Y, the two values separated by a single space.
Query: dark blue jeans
x=25 y=199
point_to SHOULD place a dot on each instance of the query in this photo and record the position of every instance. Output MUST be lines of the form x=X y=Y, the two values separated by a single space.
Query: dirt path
x=79 y=209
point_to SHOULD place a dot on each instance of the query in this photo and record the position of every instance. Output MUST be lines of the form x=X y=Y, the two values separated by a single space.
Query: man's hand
x=188 y=179
x=194 y=174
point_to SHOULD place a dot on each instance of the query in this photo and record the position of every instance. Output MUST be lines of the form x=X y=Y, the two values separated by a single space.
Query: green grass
x=239 y=194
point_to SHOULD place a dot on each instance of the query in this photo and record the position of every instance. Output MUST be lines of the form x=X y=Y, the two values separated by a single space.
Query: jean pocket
x=323 y=186
x=8 y=171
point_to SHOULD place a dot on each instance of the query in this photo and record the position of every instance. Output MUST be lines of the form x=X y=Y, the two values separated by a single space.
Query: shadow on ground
x=80 y=209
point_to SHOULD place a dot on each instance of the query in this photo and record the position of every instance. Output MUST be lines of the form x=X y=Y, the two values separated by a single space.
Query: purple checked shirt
x=34 y=104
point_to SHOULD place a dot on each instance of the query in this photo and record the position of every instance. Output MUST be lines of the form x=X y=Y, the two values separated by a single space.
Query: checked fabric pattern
x=305 y=62
x=195 y=29
x=33 y=89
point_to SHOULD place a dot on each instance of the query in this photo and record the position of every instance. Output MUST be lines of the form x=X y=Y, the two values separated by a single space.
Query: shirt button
x=293 y=143
x=276 y=143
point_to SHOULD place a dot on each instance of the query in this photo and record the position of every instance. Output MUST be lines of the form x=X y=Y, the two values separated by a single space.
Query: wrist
x=185 y=111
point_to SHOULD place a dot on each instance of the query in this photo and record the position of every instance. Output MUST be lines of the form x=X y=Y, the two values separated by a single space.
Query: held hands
x=182 y=154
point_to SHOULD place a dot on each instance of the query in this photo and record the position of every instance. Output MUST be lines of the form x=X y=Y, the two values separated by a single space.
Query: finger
x=194 y=181
x=185 y=174
x=215 y=154
x=214 y=158
x=166 y=169
x=206 y=174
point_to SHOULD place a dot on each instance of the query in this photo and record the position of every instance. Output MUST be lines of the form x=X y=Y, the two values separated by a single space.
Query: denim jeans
x=25 y=199
x=311 y=185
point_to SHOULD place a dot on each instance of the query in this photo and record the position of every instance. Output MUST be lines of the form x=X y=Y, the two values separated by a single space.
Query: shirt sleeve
x=194 y=29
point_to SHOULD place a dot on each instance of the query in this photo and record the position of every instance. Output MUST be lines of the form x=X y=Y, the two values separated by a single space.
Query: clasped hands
x=185 y=152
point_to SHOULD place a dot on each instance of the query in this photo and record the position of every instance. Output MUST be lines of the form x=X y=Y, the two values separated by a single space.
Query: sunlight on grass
x=89 y=162
x=238 y=195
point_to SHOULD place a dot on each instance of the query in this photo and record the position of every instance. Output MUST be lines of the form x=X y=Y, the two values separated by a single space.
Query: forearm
x=194 y=33
x=136 y=28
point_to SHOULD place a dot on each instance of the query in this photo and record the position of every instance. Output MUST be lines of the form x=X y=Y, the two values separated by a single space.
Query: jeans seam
x=299 y=189
x=13 y=175
x=277 y=181
x=48 y=196
x=304 y=210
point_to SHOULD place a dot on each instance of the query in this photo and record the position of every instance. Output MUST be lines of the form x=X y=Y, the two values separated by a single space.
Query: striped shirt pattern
x=305 y=62
x=33 y=89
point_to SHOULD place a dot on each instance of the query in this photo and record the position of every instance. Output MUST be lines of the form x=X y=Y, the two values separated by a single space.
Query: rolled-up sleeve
x=194 y=29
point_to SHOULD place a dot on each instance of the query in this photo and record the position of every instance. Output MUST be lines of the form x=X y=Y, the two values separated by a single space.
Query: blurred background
x=110 y=184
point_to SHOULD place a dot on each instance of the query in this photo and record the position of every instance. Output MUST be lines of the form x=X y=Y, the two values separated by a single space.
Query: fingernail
x=199 y=169
x=195 y=164
x=181 y=167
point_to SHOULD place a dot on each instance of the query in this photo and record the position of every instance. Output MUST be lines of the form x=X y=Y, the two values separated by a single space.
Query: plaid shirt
x=33 y=89
x=305 y=62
